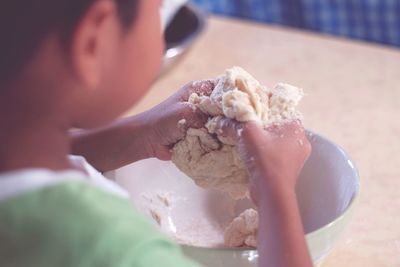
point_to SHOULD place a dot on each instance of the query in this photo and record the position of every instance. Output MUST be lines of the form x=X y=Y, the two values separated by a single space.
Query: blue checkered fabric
x=370 y=20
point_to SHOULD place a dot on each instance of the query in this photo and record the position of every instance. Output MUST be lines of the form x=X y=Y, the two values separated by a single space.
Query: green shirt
x=73 y=223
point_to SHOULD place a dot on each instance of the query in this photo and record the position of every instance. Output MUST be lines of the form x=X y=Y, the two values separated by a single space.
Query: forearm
x=281 y=235
x=113 y=146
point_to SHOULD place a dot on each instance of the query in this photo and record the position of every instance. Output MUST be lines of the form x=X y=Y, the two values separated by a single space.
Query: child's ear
x=94 y=42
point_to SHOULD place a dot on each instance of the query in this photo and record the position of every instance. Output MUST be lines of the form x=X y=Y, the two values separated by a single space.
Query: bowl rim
x=321 y=229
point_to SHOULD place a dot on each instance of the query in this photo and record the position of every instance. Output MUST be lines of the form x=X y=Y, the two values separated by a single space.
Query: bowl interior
x=327 y=184
x=195 y=216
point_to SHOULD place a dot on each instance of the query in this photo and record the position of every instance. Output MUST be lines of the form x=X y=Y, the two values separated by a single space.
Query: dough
x=242 y=231
x=213 y=161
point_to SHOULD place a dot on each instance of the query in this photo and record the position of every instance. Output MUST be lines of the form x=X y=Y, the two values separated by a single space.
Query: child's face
x=129 y=71
x=141 y=52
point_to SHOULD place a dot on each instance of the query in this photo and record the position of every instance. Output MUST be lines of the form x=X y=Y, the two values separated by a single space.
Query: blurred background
x=370 y=20
x=373 y=21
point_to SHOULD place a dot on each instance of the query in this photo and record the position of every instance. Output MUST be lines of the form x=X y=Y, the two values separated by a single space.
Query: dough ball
x=211 y=163
x=211 y=160
x=242 y=231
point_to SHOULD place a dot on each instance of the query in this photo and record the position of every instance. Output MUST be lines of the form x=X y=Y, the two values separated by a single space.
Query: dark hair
x=25 y=23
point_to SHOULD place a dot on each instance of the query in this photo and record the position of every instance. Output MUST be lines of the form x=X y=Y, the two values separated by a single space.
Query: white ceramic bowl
x=327 y=191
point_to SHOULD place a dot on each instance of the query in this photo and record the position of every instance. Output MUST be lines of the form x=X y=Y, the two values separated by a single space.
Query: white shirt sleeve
x=96 y=177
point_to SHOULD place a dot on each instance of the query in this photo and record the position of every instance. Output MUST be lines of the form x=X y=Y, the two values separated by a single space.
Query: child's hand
x=146 y=135
x=275 y=153
x=167 y=122
x=274 y=158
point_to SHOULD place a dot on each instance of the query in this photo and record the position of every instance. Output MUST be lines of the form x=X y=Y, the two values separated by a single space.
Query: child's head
x=91 y=58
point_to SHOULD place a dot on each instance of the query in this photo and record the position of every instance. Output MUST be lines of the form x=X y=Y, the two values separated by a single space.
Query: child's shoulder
x=58 y=203
x=81 y=225
x=71 y=221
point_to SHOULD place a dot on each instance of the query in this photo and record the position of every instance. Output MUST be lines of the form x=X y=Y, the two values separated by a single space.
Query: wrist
x=148 y=136
x=274 y=176
x=269 y=183
x=275 y=197
x=140 y=135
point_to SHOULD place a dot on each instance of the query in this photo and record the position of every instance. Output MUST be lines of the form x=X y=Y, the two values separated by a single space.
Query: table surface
x=352 y=96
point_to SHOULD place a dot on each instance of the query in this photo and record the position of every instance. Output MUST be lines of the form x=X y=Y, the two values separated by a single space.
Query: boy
x=72 y=64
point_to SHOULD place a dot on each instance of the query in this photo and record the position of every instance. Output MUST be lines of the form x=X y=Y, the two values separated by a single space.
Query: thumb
x=227 y=128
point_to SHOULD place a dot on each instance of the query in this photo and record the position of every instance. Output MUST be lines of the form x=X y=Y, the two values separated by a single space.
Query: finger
x=228 y=128
x=287 y=128
x=164 y=153
x=193 y=118
x=204 y=87
x=252 y=134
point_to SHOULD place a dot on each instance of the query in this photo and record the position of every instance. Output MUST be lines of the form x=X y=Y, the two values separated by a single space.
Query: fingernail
x=300 y=142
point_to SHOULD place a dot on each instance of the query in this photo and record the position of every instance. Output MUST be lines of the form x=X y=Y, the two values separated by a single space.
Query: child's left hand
x=167 y=122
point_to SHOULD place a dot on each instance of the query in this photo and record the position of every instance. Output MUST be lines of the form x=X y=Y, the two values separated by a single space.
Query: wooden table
x=352 y=97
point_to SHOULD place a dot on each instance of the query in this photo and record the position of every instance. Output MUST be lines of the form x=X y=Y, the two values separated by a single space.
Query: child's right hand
x=274 y=156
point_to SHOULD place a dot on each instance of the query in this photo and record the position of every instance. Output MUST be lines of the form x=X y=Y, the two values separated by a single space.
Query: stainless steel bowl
x=186 y=26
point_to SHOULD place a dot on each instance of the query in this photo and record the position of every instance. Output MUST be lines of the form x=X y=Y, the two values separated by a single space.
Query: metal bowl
x=183 y=30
